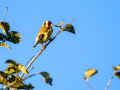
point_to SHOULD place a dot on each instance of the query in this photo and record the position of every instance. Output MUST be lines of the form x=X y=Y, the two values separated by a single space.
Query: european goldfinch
x=44 y=34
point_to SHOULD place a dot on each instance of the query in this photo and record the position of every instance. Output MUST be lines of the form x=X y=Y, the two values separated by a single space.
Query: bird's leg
x=42 y=46
x=51 y=38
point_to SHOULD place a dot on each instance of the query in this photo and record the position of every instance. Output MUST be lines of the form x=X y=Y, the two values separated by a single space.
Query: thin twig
x=110 y=81
x=29 y=60
x=5 y=14
x=9 y=85
x=87 y=82
x=43 y=49
x=28 y=72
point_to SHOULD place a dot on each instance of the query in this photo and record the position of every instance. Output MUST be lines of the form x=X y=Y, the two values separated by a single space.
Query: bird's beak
x=51 y=24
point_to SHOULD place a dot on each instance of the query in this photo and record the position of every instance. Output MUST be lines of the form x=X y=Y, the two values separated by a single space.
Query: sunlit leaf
x=14 y=37
x=5 y=27
x=90 y=72
x=3 y=80
x=2 y=36
x=60 y=24
x=69 y=28
x=12 y=67
x=117 y=74
x=116 y=68
x=22 y=68
x=4 y=45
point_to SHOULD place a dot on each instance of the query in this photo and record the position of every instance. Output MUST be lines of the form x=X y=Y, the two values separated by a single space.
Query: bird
x=44 y=34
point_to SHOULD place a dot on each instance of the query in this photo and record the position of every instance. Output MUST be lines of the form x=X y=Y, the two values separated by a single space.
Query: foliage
x=11 y=36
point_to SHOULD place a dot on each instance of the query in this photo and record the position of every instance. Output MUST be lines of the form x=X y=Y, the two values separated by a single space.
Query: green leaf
x=12 y=67
x=60 y=24
x=69 y=28
x=11 y=61
x=5 y=75
x=14 y=37
x=4 y=45
x=26 y=86
x=22 y=68
x=47 y=78
x=2 y=36
x=117 y=74
x=3 y=80
x=5 y=27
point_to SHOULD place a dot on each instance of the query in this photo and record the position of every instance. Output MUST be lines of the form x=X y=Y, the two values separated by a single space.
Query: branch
x=28 y=72
x=110 y=81
x=4 y=14
x=87 y=83
x=44 y=48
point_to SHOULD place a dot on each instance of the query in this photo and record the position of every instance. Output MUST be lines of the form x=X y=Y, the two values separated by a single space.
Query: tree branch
x=4 y=14
x=44 y=48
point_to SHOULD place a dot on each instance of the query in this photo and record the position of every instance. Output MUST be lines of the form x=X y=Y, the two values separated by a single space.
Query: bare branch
x=110 y=81
x=28 y=72
x=4 y=14
x=87 y=82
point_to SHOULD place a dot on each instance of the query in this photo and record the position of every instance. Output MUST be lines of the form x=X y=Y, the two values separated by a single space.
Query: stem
x=87 y=82
x=110 y=81
x=43 y=49
x=28 y=72
x=4 y=14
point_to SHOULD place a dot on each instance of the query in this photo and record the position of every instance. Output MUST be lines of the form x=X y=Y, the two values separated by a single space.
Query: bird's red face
x=49 y=23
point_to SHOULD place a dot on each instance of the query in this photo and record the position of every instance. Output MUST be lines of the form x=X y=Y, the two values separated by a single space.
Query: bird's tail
x=35 y=45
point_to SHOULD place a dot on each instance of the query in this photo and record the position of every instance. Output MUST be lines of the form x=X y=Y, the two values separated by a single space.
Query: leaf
x=116 y=68
x=60 y=24
x=2 y=36
x=117 y=74
x=12 y=67
x=5 y=75
x=26 y=86
x=4 y=45
x=69 y=28
x=3 y=80
x=45 y=74
x=14 y=37
x=22 y=68
x=47 y=79
x=5 y=27
x=11 y=61
x=89 y=73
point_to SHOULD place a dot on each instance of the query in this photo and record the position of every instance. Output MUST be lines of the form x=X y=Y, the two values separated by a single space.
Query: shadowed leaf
x=5 y=27
x=2 y=36
x=14 y=37
x=47 y=79
x=117 y=74
x=26 y=86
x=89 y=73
x=4 y=45
x=69 y=28
x=3 y=80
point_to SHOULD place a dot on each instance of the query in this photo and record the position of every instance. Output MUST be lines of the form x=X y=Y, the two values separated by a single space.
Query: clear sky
x=96 y=43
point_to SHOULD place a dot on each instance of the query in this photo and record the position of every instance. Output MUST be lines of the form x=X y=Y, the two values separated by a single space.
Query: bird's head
x=48 y=24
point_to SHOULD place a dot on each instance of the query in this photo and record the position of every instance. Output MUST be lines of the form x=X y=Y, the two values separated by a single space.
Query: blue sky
x=95 y=45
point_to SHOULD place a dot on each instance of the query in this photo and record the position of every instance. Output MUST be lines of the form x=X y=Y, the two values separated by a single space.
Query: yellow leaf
x=117 y=74
x=116 y=68
x=60 y=24
x=5 y=27
x=89 y=73
x=22 y=68
x=4 y=45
